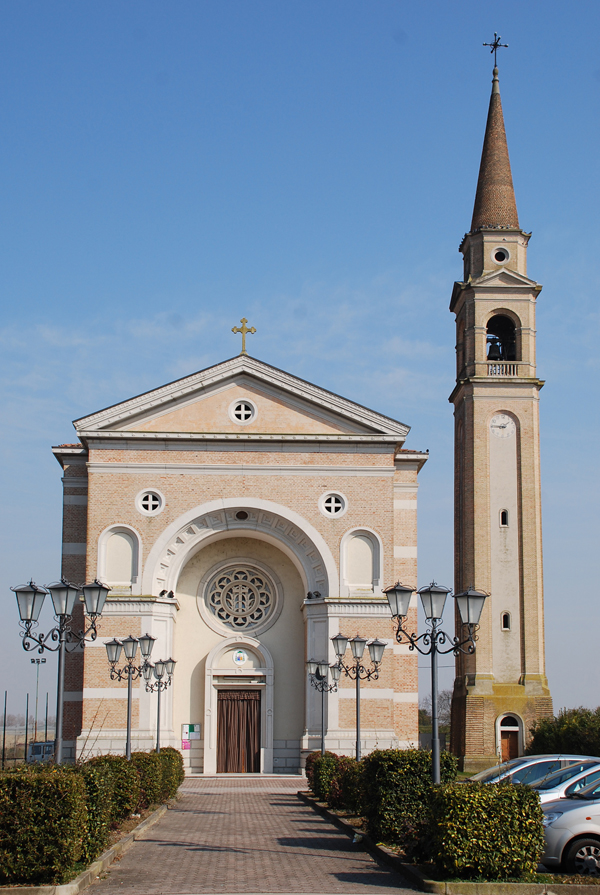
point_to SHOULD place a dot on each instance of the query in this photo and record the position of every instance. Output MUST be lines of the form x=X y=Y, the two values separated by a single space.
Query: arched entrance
x=509 y=735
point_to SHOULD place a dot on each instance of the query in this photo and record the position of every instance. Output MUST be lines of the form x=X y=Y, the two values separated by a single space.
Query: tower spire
x=495 y=204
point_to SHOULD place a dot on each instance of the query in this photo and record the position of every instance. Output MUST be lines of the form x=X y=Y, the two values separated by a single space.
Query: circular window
x=501 y=255
x=150 y=503
x=241 y=597
x=243 y=412
x=333 y=505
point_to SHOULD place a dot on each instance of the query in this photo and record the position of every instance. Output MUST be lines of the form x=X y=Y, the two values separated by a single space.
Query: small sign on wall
x=189 y=732
x=185 y=744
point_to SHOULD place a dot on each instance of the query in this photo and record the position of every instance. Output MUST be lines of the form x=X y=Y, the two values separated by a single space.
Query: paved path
x=245 y=835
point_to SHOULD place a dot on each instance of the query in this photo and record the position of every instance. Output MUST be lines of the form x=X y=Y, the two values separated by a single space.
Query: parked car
x=572 y=832
x=40 y=751
x=561 y=784
x=529 y=768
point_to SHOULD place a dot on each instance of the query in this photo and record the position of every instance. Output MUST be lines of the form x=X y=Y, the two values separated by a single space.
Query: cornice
x=489 y=382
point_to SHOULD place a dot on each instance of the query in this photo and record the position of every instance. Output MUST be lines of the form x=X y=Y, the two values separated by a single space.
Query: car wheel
x=584 y=857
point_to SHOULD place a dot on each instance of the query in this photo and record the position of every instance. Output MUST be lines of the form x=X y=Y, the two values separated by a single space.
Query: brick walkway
x=245 y=835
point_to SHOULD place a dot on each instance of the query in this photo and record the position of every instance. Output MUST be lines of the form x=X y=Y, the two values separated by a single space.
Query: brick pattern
x=245 y=835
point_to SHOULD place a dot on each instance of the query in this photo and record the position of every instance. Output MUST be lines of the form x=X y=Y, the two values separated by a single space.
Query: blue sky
x=169 y=168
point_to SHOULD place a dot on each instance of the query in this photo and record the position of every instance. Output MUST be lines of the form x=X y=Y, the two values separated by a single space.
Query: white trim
x=405 y=552
x=236 y=469
x=266 y=671
x=116 y=527
x=129 y=434
x=406 y=505
x=521 y=728
x=377 y=543
x=182 y=539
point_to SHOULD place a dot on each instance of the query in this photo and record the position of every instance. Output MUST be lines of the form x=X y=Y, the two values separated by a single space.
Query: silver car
x=529 y=768
x=561 y=784
x=572 y=832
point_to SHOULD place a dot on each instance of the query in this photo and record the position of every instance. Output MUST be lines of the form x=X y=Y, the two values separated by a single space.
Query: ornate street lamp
x=129 y=671
x=318 y=673
x=160 y=668
x=356 y=671
x=433 y=598
x=61 y=638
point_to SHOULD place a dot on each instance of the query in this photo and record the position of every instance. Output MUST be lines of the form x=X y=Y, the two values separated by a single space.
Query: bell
x=494 y=352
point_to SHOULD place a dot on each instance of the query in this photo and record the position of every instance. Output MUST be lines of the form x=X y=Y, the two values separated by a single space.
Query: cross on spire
x=494 y=47
x=243 y=329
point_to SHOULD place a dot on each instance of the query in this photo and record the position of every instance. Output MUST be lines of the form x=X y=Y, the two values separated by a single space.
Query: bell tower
x=501 y=689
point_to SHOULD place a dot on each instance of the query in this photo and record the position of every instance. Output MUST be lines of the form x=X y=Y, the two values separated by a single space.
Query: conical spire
x=495 y=204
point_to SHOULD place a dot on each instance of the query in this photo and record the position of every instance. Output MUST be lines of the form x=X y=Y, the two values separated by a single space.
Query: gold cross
x=243 y=329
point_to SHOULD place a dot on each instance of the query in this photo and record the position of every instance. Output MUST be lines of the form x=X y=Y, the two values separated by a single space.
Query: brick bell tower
x=502 y=689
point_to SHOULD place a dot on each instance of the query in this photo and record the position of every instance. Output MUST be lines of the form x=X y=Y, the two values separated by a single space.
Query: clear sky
x=167 y=168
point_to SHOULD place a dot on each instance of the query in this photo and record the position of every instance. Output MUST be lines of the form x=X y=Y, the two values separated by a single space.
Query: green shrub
x=149 y=767
x=397 y=795
x=575 y=731
x=173 y=774
x=345 y=789
x=488 y=831
x=99 y=789
x=324 y=767
x=126 y=784
x=43 y=824
x=309 y=768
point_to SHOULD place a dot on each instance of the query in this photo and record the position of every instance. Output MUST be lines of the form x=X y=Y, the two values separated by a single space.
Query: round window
x=500 y=256
x=241 y=597
x=333 y=504
x=150 y=503
x=243 y=412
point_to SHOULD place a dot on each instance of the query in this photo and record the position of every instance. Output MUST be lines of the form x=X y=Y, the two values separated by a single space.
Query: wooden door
x=238 y=732
x=510 y=744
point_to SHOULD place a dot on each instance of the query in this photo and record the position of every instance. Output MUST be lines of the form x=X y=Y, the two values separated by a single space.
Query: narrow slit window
x=504 y=518
x=506 y=621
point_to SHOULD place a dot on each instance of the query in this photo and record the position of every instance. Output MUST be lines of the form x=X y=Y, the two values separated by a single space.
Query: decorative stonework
x=241 y=597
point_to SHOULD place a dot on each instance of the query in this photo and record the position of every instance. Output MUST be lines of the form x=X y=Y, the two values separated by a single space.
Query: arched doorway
x=510 y=736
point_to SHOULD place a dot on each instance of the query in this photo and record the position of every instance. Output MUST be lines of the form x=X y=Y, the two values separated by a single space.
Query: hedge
x=575 y=731
x=52 y=818
x=463 y=818
x=397 y=795
x=323 y=771
x=345 y=788
x=43 y=824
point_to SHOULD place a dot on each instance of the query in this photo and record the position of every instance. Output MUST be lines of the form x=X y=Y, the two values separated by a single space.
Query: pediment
x=204 y=403
x=503 y=278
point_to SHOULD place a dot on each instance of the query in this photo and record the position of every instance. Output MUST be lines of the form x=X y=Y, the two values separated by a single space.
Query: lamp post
x=30 y=599
x=159 y=668
x=318 y=673
x=356 y=671
x=433 y=598
x=129 y=671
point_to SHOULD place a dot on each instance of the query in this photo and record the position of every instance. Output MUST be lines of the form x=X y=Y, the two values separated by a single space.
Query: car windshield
x=497 y=771
x=558 y=777
x=591 y=793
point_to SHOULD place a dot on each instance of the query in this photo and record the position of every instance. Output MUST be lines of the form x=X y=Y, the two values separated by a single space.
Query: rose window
x=241 y=597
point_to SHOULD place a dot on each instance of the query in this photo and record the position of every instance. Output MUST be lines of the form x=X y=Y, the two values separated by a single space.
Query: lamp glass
x=399 y=599
x=147 y=670
x=339 y=644
x=312 y=666
x=170 y=666
x=159 y=669
x=357 y=645
x=130 y=645
x=433 y=598
x=63 y=596
x=324 y=670
x=146 y=644
x=113 y=651
x=470 y=605
x=335 y=672
x=30 y=599
x=94 y=596
x=376 y=648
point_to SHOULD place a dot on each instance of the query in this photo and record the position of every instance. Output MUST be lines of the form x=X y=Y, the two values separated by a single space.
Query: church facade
x=242 y=517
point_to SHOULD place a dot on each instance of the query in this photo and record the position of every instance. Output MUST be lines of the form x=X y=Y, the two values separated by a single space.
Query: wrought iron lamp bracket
x=434 y=638
x=358 y=670
x=321 y=685
x=128 y=671
x=158 y=686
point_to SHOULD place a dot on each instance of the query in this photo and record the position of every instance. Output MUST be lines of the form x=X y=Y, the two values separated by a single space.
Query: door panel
x=238 y=732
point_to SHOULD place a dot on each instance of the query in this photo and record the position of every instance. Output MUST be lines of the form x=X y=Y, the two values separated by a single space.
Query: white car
x=561 y=784
x=529 y=768
x=572 y=832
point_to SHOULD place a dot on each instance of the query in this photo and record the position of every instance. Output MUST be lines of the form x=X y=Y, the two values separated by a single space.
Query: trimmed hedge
x=43 y=824
x=323 y=772
x=52 y=818
x=463 y=816
x=126 y=788
x=397 y=795
x=150 y=768
x=345 y=788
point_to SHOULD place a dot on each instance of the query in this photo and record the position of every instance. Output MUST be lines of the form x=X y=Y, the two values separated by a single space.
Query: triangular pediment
x=205 y=403
x=503 y=278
